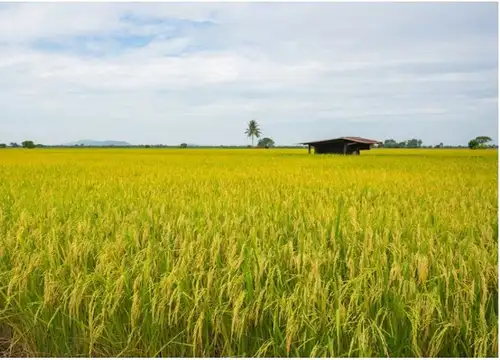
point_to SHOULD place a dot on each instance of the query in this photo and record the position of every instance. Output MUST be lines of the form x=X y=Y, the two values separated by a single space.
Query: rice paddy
x=250 y=253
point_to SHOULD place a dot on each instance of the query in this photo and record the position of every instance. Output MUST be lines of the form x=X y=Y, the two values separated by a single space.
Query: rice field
x=252 y=253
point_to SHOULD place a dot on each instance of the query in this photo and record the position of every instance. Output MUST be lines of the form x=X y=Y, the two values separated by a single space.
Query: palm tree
x=253 y=130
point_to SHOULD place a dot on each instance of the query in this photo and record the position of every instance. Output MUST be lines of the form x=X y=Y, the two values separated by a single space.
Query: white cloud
x=302 y=70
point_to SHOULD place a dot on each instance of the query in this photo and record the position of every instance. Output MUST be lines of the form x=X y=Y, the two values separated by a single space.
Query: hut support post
x=345 y=148
x=309 y=148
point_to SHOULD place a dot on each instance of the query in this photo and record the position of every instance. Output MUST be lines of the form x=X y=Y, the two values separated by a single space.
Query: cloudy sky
x=198 y=72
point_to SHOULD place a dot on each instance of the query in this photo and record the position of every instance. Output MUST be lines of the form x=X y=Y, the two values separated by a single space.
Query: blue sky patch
x=115 y=43
x=91 y=45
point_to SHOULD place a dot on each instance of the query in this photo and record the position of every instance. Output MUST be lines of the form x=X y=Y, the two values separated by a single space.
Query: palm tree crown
x=253 y=130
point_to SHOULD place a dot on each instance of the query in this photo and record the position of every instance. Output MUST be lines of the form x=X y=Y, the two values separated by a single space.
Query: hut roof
x=346 y=138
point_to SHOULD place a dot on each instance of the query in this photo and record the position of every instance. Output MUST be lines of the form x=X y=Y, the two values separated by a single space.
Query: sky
x=167 y=73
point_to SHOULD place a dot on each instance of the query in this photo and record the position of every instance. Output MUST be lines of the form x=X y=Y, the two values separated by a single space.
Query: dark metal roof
x=347 y=138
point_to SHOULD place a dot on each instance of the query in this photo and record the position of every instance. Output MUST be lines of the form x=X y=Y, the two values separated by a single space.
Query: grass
x=248 y=253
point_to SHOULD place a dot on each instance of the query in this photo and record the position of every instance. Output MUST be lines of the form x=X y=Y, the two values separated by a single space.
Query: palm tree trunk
x=252 y=140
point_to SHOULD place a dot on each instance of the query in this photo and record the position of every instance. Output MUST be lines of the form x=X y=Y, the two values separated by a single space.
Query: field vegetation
x=258 y=252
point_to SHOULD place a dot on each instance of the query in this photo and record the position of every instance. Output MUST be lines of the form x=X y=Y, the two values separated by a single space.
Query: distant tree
x=413 y=143
x=419 y=143
x=266 y=142
x=28 y=144
x=483 y=139
x=3 y=146
x=184 y=145
x=14 y=145
x=402 y=144
x=390 y=143
x=253 y=130
x=479 y=142
x=147 y=146
x=473 y=144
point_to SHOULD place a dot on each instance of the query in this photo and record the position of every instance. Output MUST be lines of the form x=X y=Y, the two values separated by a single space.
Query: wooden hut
x=349 y=145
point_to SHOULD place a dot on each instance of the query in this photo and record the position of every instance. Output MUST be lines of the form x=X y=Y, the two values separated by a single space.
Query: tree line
x=413 y=143
x=27 y=144
x=253 y=131
x=476 y=143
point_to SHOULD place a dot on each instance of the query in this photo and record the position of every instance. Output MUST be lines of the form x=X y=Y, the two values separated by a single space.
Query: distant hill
x=98 y=143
